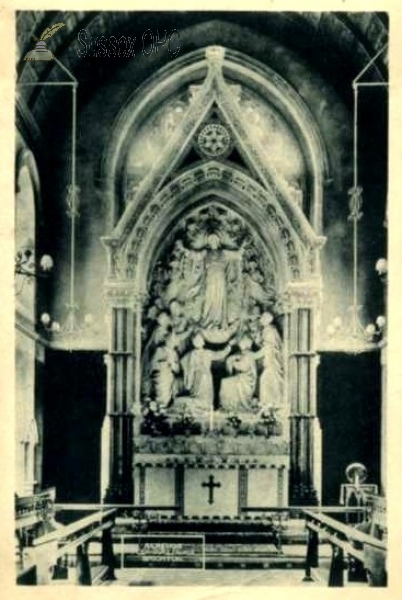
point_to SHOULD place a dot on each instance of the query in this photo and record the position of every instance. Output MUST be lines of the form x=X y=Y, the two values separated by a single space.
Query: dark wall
x=349 y=408
x=74 y=406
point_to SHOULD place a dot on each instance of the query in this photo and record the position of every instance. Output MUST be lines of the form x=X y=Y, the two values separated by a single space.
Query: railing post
x=108 y=557
x=83 y=566
x=356 y=570
x=375 y=564
x=311 y=555
x=43 y=560
x=336 y=568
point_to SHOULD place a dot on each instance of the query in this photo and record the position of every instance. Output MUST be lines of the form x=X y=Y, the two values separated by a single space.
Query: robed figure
x=272 y=377
x=197 y=373
x=237 y=391
x=213 y=275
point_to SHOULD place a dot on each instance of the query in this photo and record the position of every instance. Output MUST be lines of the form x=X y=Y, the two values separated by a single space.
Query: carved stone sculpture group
x=209 y=338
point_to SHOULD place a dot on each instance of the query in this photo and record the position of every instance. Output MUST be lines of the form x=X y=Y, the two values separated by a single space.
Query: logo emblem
x=40 y=52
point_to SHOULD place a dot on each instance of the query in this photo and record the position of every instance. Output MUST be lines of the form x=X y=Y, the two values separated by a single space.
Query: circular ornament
x=214 y=140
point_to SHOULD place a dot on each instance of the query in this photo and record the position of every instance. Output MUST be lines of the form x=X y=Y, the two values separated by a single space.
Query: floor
x=217 y=577
x=229 y=577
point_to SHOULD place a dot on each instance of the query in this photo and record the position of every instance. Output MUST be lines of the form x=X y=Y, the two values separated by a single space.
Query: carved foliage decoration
x=193 y=180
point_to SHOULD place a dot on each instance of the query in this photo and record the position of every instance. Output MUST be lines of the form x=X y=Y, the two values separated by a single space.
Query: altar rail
x=49 y=556
x=49 y=553
x=31 y=510
x=364 y=554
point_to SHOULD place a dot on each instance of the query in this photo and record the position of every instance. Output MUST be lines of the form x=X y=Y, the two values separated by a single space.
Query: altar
x=211 y=476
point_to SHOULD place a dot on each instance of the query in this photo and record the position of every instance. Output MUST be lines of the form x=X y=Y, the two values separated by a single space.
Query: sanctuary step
x=215 y=558
x=210 y=543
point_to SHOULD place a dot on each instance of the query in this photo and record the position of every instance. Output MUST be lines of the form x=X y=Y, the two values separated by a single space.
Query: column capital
x=121 y=294
x=303 y=294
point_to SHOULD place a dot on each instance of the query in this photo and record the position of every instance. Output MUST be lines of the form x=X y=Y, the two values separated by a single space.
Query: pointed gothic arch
x=216 y=67
x=296 y=256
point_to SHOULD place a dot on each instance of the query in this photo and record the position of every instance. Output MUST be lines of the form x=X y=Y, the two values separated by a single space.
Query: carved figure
x=207 y=273
x=197 y=371
x=271 y=380
x=164 y=368
x=238 y=390
x=213 y=280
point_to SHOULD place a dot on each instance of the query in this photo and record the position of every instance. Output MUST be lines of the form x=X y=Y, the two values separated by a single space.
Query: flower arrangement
x=154 y=421
x=186 y=424
x=270 y=422
x=234 y=422
x=268 y=416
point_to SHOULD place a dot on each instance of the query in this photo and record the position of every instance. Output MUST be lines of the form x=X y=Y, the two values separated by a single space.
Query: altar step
x=243 y=554
x=218 y=561
x=210 y=544
x=292 y=557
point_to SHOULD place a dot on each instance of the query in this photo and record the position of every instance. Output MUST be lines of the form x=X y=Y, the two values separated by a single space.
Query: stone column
x=383 y=273
x=117 y=442
x=383 y=486
x=303 y=305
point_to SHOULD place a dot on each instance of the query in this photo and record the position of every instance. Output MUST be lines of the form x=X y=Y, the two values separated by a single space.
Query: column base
x=122 y=493
x=302 y=495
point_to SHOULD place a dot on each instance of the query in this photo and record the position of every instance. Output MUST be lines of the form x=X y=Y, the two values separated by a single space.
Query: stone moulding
x=300 y=256
x=218 y=448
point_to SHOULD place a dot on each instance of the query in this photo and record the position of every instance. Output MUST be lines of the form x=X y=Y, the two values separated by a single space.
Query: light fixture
x=26 y=266
x=381 y=266
x=27 y=269
x=49 y=324
x=350 y=334
x=71 y=325
x=52 y=326
x=339 y=333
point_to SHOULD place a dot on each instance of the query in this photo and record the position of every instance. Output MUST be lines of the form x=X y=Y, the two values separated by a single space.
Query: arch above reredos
x=214 y=66
x=294 y=252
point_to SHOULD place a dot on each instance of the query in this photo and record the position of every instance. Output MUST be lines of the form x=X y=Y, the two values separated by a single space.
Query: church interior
x=201 y=298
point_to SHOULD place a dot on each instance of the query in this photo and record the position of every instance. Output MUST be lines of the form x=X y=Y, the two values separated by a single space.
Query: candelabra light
x=26 y=266
x=339 y=330
x=70 y=326
x=352 y=332
x=48 y=323
x=28 y=269
x=353 y=335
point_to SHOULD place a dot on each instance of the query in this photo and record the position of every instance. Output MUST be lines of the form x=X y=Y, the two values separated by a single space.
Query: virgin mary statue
x=215 y=272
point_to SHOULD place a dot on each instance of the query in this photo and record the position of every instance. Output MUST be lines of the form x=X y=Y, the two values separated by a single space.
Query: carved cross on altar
x=211 y=485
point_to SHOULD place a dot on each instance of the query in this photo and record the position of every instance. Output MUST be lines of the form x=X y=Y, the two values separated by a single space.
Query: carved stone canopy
x=167 y=195
x=227 y=84
x=215 y=91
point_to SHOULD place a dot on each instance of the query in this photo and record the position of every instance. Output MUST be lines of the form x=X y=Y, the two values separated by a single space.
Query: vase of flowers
x=186 y=425
x=234 y=423
x=272 y=426
x=154 y=419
